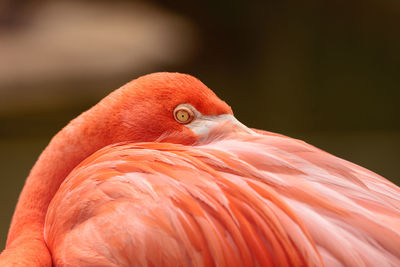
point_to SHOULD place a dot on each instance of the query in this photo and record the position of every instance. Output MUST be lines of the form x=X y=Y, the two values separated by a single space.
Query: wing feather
x=259 y=200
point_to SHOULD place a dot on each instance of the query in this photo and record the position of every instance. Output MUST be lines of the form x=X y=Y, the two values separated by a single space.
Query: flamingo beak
x=202 y=125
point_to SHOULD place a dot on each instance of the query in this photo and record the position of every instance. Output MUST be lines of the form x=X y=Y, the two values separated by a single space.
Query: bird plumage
x=126 y=184
x=242 y=200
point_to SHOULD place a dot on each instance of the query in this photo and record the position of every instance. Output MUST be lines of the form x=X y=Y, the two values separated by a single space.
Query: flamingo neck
x=79 y=139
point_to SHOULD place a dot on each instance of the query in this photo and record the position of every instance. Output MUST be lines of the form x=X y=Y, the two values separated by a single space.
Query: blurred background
x=327 y=72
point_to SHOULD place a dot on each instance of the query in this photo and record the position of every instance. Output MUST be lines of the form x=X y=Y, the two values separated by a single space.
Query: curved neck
x=79 y=139
x=57 y=160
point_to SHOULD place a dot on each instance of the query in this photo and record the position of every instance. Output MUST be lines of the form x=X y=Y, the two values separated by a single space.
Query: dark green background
x=327 y=72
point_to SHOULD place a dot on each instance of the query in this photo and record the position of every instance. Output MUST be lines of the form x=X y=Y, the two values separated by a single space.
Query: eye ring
x=183 y=114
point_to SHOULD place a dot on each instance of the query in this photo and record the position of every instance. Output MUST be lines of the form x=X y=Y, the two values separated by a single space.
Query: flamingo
x=160 y=173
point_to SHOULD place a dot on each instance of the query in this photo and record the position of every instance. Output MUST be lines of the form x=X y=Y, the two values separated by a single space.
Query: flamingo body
x=242 y=200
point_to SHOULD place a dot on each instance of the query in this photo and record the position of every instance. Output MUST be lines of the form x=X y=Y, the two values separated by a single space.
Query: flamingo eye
x=183 y=114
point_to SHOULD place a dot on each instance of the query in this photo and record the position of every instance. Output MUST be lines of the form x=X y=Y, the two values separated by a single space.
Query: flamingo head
x=169 y=107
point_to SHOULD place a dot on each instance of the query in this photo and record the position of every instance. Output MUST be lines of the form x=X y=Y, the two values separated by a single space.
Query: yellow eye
x=183 y=115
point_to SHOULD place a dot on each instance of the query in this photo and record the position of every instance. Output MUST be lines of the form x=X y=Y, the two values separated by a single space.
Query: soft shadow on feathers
x=237 y=199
